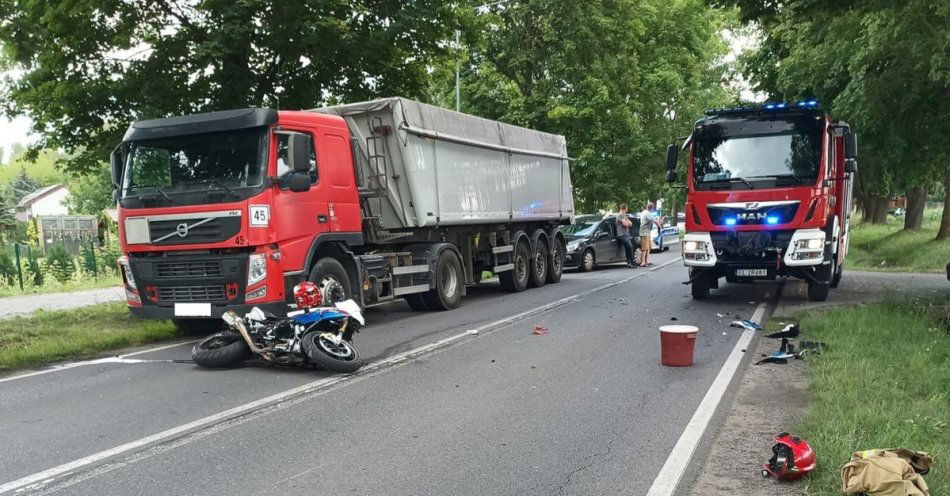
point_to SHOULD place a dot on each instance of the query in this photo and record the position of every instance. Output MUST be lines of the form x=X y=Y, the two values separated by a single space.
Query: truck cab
x=769 y=192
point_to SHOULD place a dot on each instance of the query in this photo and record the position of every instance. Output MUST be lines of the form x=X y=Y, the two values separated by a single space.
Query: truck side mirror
x=115 y=161
x=671 y=155
x=671 y=176
x=850 y=146
x=299 y=146
x=298 y=182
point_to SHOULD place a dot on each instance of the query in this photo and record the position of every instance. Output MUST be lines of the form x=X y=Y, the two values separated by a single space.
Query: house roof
x=40 y=193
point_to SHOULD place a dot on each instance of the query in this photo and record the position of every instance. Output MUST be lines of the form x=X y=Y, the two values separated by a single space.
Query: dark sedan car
x=592 y=241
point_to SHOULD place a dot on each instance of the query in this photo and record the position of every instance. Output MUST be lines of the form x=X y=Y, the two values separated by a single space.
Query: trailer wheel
x=556 y=263
x=330 y=276
x=700 y=286
x=416 y=302
x=539 y=266
x=448 y=283
x=516 y=279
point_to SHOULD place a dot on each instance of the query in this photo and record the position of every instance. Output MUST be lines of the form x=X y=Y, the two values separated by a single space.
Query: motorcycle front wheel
x=341 y=357
x=222 y=349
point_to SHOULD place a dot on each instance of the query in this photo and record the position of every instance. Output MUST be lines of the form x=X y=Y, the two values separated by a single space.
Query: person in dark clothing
x=623 y=234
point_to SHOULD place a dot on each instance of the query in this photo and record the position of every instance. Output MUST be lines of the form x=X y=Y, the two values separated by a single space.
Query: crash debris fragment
x=749 y=325
x=539 y=330
x=792 y=458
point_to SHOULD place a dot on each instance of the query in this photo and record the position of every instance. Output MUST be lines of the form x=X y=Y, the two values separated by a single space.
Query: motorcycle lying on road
x=312 y=335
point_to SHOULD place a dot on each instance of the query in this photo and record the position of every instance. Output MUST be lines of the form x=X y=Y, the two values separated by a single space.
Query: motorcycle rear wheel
x=343 y=358
x=222 y=349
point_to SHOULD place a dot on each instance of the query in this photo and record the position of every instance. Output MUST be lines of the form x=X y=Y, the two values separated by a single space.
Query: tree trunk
x=944 y=231
x=914 y=215
x=877 y=210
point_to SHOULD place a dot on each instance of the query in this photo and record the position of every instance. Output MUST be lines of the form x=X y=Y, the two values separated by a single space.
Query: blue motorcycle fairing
x=317 y=315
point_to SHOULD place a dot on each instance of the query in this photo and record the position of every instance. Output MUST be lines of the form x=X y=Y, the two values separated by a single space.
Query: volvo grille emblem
x=182 y=230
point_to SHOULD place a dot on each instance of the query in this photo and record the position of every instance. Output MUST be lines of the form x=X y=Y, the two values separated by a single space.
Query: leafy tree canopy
x=90 y=67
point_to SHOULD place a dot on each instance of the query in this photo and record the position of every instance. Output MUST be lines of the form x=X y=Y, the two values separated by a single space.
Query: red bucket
x=677 y=343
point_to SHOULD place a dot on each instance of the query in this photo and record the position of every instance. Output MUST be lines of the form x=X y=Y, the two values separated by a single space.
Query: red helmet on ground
x=307 y=295
x=792 y=458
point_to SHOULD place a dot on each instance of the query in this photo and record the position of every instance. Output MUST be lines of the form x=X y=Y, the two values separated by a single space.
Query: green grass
x=47 y=337
x=53 y=286
x=887 y=247
x=883 y=382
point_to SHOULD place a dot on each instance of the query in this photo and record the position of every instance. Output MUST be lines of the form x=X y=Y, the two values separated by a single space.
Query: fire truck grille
x=730 y=216
x=191 y=293
x=172 y=270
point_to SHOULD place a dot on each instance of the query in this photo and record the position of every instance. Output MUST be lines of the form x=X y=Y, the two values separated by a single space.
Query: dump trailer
x=373 y=201
x=769 y=194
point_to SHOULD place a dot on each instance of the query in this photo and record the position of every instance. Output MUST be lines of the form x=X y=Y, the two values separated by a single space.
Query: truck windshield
x=188 y=163
x=758 y=152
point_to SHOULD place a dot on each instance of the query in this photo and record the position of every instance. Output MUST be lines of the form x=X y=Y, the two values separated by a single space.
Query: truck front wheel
x=516 y=279
x=700 y=286
x=820 y=285
x=447 y=293
x=330 y=276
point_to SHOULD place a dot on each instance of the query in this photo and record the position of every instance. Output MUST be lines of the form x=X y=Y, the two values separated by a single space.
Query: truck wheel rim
x=331 y=290
x=521 y=266
x=539 y=263
x=449 y=281
x=556 y=259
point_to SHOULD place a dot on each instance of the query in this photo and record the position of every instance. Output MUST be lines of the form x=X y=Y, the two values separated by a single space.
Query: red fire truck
x=769 y=191
x=372 y=201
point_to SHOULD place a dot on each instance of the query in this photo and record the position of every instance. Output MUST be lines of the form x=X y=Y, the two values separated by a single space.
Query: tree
x=91 y=193
x=129 y=60
x=22 y=185
x=33 y=232
x=60 y=264
x=878 y=64
x=618 y=78
x=7 y=269
x=34 y=270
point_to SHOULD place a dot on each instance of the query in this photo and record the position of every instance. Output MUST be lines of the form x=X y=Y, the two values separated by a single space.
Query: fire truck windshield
x=757 y=152
x=195 y=163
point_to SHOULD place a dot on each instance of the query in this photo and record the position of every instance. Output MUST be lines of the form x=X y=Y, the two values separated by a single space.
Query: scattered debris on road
x=748 y=325
x=539 y=330
x=789 y=331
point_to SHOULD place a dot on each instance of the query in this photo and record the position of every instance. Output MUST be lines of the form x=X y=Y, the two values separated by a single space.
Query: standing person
x=623 y=234
x=647 y=220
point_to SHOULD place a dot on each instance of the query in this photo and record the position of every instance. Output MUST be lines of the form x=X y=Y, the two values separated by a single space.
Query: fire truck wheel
x=818 y=289
x=448 y=283
x=539 y=266
x=330 y=276
x=700 y=287
x=198 y=326
x=836 y=280
x=516 y=279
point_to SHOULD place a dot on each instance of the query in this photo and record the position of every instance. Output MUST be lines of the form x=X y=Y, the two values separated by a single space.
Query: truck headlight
x=807 y=247
x=810 y=244
x=127 y=271
x=256 y=268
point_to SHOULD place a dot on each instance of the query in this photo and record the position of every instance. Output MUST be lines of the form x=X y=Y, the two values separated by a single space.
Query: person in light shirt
x=647 y=220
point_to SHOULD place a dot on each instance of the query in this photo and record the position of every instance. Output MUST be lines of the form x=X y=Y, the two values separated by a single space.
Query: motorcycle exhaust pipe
x=264 y=352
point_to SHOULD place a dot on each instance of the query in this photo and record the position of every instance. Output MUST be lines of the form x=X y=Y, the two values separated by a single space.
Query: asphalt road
x=585 y=409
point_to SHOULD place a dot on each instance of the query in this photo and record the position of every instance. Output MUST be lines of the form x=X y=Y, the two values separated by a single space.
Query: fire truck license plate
x=752 y=272
x=192 y=309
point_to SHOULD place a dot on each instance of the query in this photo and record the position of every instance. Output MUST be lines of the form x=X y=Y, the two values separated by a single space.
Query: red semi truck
x=371 y=201
x=769 y=192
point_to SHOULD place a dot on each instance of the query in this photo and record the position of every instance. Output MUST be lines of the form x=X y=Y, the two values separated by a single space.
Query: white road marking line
x=113 y=359
x=40 y=479
x=672 y=471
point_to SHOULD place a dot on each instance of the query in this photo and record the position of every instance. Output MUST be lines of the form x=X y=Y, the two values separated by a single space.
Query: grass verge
x=46 y=337
x=110 y=281
x=887 y=247
x=882 y=382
